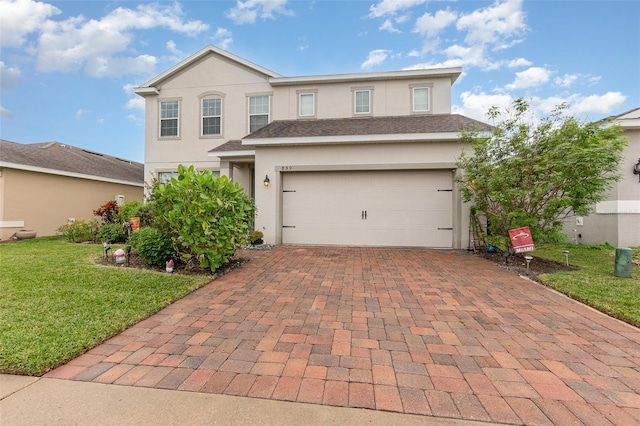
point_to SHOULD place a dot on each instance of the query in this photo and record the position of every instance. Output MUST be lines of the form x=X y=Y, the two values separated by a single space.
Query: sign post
x=521 y=240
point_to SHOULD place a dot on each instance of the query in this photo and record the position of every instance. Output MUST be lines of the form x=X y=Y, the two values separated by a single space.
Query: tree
x=207 y=216
x=538 y=172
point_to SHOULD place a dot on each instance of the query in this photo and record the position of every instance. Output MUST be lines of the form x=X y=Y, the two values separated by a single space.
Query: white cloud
x=135 y=119
x=476 y=105
x=461 y=56
x=135 y=101
x=432 y=25
x=9 y=76
x=176 y=54
x=566 y=80
x=5 y=112
x=77 y=43
x=247 y=12
x=531 y=77
x=376 y=57
x=599 y=103
x=20 y=18
x=100 y=121
x=594 y=80
x=496 y=23
x=387 y=25
x=222 y=38
x=81 y=112
x=391 y=7
x=520 y=62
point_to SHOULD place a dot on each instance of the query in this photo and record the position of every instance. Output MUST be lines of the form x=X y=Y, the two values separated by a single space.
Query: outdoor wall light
x=266 y=181
x=636 y=169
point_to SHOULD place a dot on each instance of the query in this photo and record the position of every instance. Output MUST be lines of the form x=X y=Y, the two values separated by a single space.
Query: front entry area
x=401 y=208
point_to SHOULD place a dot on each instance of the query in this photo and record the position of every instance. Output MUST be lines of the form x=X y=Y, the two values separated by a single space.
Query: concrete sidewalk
x=39 y=401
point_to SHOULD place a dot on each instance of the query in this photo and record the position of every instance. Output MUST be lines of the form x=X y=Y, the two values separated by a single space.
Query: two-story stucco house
x=350 y=159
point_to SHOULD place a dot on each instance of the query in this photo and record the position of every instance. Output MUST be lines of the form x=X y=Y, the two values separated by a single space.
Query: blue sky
x=67 y=68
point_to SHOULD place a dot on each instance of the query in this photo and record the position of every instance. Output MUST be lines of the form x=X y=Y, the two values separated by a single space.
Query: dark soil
x=191 y=268
x=517 y=264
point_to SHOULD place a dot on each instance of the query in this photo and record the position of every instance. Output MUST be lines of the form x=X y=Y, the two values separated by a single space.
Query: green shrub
x=135 y=209
x=154 y=246
x=112 y=233
x=207 y=216
x=256 y=237
x=79 y=231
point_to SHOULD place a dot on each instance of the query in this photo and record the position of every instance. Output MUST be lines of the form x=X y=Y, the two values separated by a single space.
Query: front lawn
x=594 y=283
x=56 y=303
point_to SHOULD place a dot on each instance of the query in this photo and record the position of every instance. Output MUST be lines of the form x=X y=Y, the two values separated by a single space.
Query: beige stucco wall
x=45 y=202
x=234 y=82
x=273 y=161
x=210 y=75
x=335 y=100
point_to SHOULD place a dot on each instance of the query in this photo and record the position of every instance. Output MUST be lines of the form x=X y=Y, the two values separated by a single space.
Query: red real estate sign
x=521 y=240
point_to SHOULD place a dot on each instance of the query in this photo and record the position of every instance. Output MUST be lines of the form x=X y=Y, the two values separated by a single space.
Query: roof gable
x=67 y=159
x=149 y=86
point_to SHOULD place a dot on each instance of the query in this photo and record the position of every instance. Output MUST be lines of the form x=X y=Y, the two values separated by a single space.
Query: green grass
x=594 y=283
x=56 y=303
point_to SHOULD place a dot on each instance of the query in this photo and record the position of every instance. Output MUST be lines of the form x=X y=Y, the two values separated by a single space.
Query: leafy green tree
x=207 y=217
x=536 y=173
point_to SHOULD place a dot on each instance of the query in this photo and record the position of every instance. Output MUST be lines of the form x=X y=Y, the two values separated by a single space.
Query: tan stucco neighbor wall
x=44 y=202
x=276 y=160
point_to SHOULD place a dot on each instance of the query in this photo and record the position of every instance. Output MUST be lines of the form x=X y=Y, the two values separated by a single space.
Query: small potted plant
x=255 y=238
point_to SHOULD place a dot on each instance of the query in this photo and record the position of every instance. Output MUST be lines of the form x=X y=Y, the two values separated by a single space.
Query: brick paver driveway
x=417 y=331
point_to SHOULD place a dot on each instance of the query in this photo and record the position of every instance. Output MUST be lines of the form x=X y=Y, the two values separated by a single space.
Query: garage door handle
x=445 y=229
x=363 y=215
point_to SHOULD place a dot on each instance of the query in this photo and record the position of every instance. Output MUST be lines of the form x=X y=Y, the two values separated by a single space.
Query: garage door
x=368 y=208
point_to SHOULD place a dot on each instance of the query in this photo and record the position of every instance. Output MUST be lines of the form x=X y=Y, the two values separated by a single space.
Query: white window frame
x=161 y=118
x=250 y=114
x=414 y=99
x=202 y=116
x=355 y=102
x=313 y=104
x=165 y=177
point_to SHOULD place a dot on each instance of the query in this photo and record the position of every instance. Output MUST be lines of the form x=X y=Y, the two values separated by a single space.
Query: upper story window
x=258 y=112
x=362 y=101
x=211 y=116
x=169 y=118
x=421 y=102
x=306 y=104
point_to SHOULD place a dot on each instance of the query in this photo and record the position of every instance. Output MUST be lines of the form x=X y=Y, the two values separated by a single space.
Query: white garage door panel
x=403 y=208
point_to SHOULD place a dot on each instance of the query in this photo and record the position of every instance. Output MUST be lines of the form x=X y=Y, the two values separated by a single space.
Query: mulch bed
x=191 y=268
x=517 y=264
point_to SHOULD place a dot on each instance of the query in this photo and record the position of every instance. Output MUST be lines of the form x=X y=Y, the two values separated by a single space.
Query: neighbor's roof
x=418 y=124
x=67 y=160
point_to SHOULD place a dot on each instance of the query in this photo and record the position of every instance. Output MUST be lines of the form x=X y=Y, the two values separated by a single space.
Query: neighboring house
x=43 y=185
x=616 y=220
x=351 y=159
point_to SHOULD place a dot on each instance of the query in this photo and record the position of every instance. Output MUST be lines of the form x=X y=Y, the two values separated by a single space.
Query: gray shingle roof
x=439 y=123
x=234 y=145
x=67 y=158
